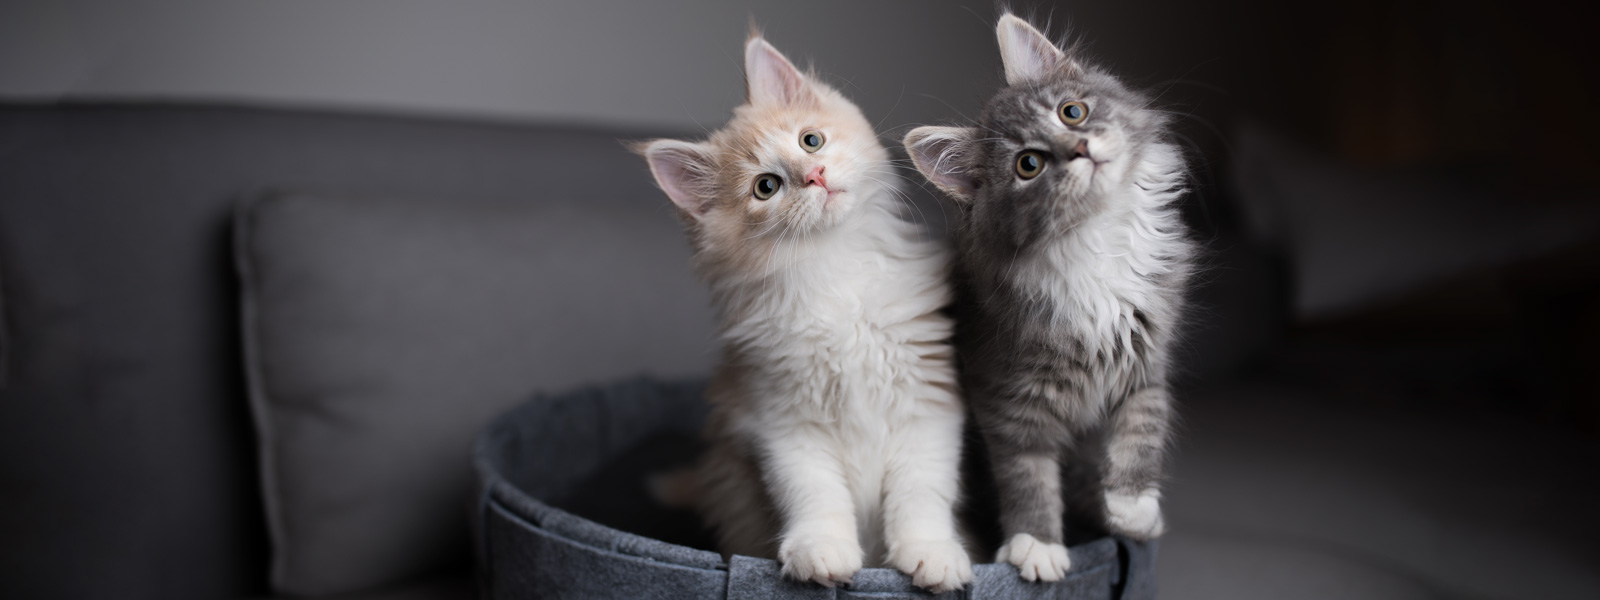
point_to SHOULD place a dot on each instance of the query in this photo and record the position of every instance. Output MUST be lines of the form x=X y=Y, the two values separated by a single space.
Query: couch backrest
x=127 y=457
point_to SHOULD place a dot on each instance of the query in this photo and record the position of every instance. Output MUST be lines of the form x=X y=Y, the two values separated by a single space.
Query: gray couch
x=129 y=461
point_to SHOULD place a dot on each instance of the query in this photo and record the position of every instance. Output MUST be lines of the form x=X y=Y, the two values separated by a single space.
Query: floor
x=1288 y=493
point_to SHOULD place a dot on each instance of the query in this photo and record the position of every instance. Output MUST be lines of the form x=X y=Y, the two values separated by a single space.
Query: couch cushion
x=382 y=334
x=126 y=444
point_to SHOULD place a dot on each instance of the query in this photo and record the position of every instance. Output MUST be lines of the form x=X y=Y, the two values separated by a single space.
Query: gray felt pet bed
x=562 y=512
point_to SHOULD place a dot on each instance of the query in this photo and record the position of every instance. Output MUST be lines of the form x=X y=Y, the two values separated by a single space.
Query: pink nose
x=815 y=177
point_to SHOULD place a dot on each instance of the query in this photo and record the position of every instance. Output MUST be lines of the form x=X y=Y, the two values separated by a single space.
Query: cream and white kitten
x=835 y=433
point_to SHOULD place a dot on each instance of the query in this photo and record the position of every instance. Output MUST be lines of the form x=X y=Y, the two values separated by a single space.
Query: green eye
x=1073 y=112
x=811 y=140
x=766 y=185
x=1030 y=164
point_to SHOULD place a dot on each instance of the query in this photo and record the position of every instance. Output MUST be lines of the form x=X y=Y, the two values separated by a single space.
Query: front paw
x=824 y=559
x=1135 y=516
x=938 y=566
x=1037 y=561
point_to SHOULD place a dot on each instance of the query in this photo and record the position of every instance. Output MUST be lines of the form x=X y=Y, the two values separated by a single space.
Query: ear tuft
x=1026 y=53
x=684 y=171
x=946 y=156
x=771 y=79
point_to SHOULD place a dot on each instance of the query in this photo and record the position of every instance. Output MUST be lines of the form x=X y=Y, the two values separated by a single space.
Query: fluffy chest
x=1094 y=308
x=1087 y=289
x=845 y=326
x=1116 y=272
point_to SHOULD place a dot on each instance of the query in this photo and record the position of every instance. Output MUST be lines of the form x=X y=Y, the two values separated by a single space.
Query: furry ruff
x=835 y=433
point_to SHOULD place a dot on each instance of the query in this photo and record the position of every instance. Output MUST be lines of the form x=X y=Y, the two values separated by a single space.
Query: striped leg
x=1028 y=478
x=1136 y=448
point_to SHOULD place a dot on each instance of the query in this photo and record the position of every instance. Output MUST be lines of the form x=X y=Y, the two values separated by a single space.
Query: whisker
x=903 y=198
x=879 y=124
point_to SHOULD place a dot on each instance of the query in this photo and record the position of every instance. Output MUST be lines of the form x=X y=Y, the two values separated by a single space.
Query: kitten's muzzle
x=1080 y=150
x=814 y=177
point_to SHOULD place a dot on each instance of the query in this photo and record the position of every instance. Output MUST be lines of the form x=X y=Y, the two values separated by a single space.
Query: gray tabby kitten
x=1074 y=262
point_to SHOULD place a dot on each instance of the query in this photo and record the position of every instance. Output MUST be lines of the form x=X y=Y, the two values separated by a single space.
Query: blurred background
x=1388 y=383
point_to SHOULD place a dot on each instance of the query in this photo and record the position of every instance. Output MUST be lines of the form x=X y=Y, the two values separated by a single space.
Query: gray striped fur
x=1072 y=291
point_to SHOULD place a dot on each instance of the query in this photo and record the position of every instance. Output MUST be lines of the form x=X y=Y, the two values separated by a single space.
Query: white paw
x=823 y=559
x=1036 y=560
x=938 y=566
x=1138 y=517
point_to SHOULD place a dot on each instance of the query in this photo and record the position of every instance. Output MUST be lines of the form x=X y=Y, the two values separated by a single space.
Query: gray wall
x=619 y=63
x=614 y=62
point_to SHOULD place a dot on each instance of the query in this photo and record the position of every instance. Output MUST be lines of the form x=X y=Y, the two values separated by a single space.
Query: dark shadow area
x=617 y=494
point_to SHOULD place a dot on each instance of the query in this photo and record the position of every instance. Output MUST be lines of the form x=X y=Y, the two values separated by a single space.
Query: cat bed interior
x=562 y=512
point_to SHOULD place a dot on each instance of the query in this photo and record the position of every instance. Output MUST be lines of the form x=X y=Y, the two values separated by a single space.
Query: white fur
x=1138 y=516
x=1093 y=273
x=939 y=565
x=1035 y=560
x=838 y=374
x=851 y=399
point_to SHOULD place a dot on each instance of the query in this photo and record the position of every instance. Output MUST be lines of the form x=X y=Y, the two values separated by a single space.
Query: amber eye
x=1030 y=164
x=1073 y=112
x=811 y=140
x=766 y=185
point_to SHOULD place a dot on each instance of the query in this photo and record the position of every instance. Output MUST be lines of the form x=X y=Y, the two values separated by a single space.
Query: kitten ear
x=944 y=155
x=1026 y=53
x=769 y=78
x=684 y=171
